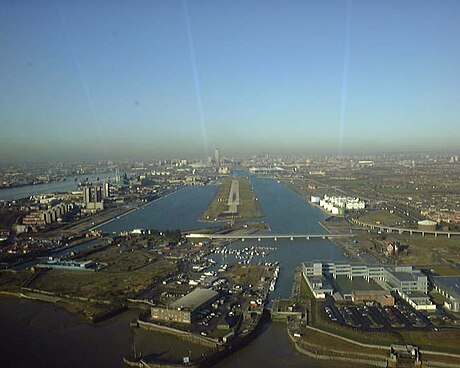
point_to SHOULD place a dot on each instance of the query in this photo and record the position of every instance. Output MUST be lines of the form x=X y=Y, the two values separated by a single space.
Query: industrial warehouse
x=185 y=309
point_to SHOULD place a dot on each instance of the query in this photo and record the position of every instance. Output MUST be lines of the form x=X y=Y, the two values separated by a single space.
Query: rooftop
x=427 y=222
x=451 y=283
x=405 y=276
x=194 y=299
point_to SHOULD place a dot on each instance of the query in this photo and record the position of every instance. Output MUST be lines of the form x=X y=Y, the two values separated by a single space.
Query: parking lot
x=377 y=318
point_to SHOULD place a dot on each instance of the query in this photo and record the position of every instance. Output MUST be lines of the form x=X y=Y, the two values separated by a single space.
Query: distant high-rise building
x=92 y=198
x=106 y=190
x=97 y=197
x=86 y=195
x=217 y=157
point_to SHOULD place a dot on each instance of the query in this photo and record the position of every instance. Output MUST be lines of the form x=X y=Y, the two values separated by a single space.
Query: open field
x=446 y=270
x=12 y=281
x=382 y=217
x=123 y=259
x=248 y=207
x=245 y=274
x=111 y=284
x=219 y=203
x=427 y=250
x=129 y=272
x=443 y=340
x=336 y=224
x=308 y=188
x=328 y=344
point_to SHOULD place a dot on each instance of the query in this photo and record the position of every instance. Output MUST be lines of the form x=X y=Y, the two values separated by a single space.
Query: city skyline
x=178 y=78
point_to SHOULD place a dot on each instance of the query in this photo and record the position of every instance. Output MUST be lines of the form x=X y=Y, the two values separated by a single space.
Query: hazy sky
x=108 y=79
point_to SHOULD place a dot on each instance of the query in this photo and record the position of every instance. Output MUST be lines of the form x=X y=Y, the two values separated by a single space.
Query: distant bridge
x=402 y=230
x=267 y=236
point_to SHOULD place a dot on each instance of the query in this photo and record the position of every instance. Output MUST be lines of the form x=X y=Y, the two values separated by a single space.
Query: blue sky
x=114 y=79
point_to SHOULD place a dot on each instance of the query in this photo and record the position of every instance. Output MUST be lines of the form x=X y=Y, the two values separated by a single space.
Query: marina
x=277 y=202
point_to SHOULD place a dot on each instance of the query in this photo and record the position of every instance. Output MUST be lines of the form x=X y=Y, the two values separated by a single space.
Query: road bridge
x=267 y=236
x=402 y=230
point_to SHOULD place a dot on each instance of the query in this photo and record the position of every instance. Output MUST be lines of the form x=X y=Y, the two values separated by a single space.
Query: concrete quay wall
x=188 y=336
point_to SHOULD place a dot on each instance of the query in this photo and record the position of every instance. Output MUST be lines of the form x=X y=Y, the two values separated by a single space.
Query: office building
x=92 y=198
x=410 y=283
x=217 y=157
x=449 y=287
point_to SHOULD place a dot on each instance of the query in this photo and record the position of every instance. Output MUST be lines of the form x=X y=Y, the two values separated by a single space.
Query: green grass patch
x=325 y=342
x=219 y=203
x=346 y=286
x=305 y=292
x=443 y=340
x=446 y=270
x=12 y=281
x=246 y=274
x=425 y=251
x=438 y=298
x=128 y=274
x=382 y=217
x=248 y=207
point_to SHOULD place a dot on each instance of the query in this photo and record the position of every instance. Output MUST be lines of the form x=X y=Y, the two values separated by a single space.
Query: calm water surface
x=179 y=210
x=69 y=185
x=37 y=334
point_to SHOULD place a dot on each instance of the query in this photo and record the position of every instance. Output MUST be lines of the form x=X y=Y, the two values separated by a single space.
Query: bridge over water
x=267 y=236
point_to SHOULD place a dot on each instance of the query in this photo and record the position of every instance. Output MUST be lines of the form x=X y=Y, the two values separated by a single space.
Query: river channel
x=67 y=185
x=64 y=341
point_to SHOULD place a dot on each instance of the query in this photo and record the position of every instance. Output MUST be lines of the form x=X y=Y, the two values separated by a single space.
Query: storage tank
x=427 y=225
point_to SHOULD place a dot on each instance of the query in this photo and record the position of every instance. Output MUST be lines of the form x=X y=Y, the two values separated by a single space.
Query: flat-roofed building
x=402 y=279
x=380 y=296
x=449 y=287
x=418 y=300
x=184 y=310
x=319 y=286
x=406 y=278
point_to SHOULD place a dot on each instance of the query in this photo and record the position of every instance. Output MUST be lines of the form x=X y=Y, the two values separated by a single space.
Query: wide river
x=37 y=334
x=68 y=185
